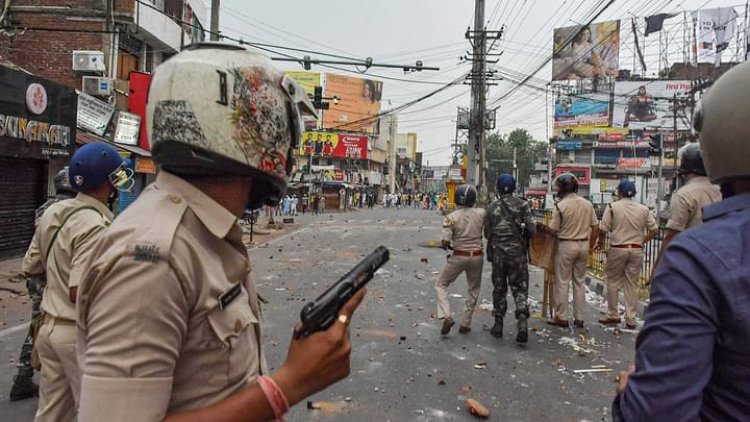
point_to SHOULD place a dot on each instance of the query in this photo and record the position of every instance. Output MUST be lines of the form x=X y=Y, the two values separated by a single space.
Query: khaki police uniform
x=168 y=314
x=628 y=223
x=65 y=239
x=686 y=207
x=572 y=218
x=462 y=227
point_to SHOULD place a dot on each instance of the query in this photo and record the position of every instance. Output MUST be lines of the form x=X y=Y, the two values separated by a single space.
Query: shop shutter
x=22 y=191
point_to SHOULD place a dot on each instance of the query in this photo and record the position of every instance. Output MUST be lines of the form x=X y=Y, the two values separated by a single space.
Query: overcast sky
x=404 y=31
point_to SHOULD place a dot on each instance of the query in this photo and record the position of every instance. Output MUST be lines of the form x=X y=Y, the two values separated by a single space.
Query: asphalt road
x=402 y=368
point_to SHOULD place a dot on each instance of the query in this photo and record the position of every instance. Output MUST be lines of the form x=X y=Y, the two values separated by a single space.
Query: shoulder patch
x=156 y=216
x=146 y=253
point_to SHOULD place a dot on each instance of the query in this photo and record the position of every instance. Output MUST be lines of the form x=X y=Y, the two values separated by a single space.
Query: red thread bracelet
x=274 y=395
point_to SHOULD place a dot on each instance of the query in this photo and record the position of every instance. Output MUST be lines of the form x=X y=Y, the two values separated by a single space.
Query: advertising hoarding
x=582 y=173
x=358 y=105
x=585 y=52
x=307 y=81
x=648 y=104
x=332 y=144
x=582 y=110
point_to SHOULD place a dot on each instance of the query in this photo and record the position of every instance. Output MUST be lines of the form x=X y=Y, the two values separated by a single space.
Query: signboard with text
x=332 y=144
x=583 y=173
x=128 y=128
x=93 y=114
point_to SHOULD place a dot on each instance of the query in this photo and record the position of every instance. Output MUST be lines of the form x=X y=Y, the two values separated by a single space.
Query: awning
x=84 y=138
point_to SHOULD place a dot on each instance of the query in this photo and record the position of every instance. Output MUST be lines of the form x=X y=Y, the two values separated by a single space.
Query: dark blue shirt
x=693 y=354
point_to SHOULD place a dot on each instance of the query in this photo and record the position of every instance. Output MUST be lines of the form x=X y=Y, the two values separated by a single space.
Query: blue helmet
x=98 y=163
x=505 y=183
x=626 y=189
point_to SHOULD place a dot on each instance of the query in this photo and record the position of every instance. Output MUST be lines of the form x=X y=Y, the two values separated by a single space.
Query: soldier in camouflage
x=507 y=226
x=23 y=384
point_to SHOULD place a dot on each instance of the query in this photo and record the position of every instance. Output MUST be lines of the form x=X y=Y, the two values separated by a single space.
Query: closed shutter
x=22 y=191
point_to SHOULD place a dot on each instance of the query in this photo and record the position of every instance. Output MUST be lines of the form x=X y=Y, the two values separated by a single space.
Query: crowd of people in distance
x=430 y=201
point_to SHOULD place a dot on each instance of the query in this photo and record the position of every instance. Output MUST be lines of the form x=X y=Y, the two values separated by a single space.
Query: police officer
x=686 y=206
x=23 y=384
x=462 y=231
x=630 y=225
x=508 y=225
x=169 y=318
x=692 y=354
x=575 y=225
x=66 y=236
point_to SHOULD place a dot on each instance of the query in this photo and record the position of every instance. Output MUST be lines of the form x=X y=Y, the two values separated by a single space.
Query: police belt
x=628 y=246
x=575 y=240
x=57 y=321
x=459 y=252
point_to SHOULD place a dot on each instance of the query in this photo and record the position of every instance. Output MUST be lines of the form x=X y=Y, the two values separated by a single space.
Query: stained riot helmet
x=466 y=196
x=723 y=127
x=626 y=189
x=506 y=183
x=95 y=164
x=691 y=160
x=62 y=182
x=566 y=183
x=221 y=110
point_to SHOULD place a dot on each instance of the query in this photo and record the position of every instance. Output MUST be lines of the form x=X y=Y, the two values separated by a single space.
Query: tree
x=499 y=153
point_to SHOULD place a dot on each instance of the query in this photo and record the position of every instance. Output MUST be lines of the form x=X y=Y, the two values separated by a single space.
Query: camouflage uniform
x=507 y=249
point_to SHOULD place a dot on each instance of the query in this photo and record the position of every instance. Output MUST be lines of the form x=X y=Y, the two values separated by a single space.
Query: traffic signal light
x=318 y=102
x=654 y=145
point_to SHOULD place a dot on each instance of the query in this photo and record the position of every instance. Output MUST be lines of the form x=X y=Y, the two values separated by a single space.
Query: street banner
x=358 y=103
x=648 y=104
x=581 y=52
x=714 y=28
x=582 y=173
x=307 y=81
x=582 y=110
x=332 y=144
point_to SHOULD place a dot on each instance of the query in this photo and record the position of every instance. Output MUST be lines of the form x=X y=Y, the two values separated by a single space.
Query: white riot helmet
x=220 y=110
x=723 y=123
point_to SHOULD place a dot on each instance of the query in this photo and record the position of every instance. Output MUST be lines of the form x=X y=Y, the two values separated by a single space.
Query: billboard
x=336 y=145
x=582 y=173
x=648 y=104
x=585 y=52
x=307 y=81
x=582 y=110
x=358 y=105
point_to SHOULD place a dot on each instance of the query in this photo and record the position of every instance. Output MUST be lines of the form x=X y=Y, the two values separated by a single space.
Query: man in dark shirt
x=693 y=355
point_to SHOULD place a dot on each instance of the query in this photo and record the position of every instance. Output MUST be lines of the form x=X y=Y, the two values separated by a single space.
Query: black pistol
x=323 y=312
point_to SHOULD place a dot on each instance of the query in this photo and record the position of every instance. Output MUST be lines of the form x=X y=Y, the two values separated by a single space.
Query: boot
x=497 y=329
x=523 y=329
x=23 y=388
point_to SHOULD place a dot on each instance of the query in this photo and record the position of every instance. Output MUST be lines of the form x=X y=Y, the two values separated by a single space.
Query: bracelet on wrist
x=274 y=395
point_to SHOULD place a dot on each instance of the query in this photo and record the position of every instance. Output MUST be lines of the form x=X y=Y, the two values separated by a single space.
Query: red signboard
x=633 y=163
x=611 y=137
x=351 y=146
x=583 y=173
x=139 y=83
x=339 y=174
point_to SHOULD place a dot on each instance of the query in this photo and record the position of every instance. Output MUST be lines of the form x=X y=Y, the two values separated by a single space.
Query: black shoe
x=497 y=329
x=523 y=331
x=447 y=324
x=23 y=388
x=464 y=329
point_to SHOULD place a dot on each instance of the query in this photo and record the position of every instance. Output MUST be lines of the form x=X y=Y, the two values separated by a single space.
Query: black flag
x=656 y=22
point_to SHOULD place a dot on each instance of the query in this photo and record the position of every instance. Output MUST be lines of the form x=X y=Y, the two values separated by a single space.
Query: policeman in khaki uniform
x=462 y=228
x=169 y=319
x=23 y=384
x=630 y=226
x=686 y=207
x=576 y=227
x=66 y=237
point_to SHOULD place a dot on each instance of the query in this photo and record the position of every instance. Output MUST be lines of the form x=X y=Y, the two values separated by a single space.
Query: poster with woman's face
x=358 y=105
x=581 y=52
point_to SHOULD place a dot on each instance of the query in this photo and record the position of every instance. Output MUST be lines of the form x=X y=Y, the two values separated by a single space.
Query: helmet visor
x=122 y=178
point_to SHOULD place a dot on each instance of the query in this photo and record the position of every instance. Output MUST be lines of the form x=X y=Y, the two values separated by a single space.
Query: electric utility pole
x=478 y=119
x=215 y=6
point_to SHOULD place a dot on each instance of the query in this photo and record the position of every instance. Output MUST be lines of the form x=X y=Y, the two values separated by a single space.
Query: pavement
x=402 y=368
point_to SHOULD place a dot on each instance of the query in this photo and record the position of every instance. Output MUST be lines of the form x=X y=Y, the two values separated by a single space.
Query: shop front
x=37 y=132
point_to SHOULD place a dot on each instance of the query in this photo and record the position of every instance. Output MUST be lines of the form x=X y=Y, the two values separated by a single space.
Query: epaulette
x=163 y=213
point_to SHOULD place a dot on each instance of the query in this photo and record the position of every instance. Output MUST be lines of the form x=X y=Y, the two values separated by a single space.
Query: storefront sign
x=36 y=98
x=633 y=163
x=34 y=131
x=128 y=128
x=569 y=145
x=582 y=173
x=622 y=144
x=93 y=114
x=333 y=144
x=145 y=165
